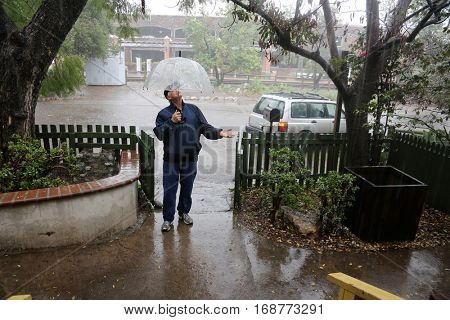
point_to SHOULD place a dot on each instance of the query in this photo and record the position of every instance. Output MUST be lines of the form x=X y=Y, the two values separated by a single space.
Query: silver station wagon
x=299 y=113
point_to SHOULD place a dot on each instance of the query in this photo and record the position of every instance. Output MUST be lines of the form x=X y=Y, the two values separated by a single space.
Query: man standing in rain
x=179 y=126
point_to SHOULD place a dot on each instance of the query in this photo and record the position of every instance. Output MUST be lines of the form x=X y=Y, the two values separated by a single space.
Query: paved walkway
x=213 y=259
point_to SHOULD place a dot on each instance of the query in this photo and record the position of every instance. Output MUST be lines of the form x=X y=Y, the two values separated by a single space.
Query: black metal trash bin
x=388 y=204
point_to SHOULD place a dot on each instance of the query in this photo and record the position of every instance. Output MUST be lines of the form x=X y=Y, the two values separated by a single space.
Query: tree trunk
x=18 y=92
x=356 y=113
x=25 y=56
x=217 y=75
x=317 y=80
x=358 y=134
x=363 y=90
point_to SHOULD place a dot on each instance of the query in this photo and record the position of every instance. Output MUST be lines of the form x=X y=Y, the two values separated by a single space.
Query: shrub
x=336 y=193
x=28 y=166
x=285 y=177
x=281 y=87
x=255 y=87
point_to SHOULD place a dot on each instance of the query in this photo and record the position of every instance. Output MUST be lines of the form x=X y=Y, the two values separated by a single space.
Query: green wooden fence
x=323 y=153
x=426 y=161
x=87 y=136
x=107 y=137
x=147 y=165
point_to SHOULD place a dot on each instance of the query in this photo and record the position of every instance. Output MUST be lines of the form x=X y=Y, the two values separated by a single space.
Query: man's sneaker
x=166 y=226
x=186 y=218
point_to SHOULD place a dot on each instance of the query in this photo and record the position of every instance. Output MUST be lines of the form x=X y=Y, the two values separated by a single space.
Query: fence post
x=133 y=137
x=152 y=168
x=237 y=177
x=266 y=151
x=46 y=140
x=251 y=165
x=245 y=159
x=259 y=159
x=71 y=130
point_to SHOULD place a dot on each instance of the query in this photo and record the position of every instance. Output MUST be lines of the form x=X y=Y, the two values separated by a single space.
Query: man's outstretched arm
x=206 y=129
x=209 y=131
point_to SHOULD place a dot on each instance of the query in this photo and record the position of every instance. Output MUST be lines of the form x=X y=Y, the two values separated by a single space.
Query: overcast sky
x=169 y=7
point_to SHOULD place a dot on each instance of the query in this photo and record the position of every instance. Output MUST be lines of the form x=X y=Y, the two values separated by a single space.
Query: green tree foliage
x=421 y=81
x=89 y=38
x=124 y=13
x=225 y=47
x=64 y=77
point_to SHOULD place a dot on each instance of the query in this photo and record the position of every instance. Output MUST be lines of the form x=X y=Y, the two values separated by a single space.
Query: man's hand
x=176 y=117
x=227 y=133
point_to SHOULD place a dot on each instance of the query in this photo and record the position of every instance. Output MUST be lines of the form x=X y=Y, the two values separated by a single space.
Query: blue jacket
x=182 y=140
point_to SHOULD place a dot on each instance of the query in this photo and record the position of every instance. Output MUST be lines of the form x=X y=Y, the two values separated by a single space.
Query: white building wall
x=110 y=72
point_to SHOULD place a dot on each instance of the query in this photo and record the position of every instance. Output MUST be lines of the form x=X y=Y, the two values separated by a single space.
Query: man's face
x=174 y=94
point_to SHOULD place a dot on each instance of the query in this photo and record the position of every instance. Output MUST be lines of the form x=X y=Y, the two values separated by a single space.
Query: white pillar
x=149 y=65
x=138 y=64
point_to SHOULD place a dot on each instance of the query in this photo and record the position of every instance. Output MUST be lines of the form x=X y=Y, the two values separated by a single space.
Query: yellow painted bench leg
x=21 y=297
x=346 y=295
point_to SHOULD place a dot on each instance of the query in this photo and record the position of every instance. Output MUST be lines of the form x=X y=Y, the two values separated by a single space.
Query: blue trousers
x=175 y=173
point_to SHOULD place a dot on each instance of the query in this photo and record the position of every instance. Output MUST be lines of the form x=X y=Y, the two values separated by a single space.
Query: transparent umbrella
x=187 y=75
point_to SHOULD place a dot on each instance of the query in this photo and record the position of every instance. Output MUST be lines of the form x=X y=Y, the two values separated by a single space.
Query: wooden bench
x=20 y=297
x=354 y=289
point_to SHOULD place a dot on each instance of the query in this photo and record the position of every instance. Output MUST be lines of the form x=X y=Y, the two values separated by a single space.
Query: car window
x=317 y=110
x=271 y=103
x=330 y=109
x=299 y=110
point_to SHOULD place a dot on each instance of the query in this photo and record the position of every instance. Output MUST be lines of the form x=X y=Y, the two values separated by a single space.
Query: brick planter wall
x=70 y=214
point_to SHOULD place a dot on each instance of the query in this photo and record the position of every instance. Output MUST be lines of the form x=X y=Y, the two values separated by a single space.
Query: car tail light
x=282 y=126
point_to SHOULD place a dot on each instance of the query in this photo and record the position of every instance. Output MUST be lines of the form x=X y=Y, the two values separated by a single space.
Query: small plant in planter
x=285 y=178
x=336 y=192
x=26 y=165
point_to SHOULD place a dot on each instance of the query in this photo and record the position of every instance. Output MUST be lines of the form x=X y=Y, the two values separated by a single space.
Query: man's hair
x=171 y=87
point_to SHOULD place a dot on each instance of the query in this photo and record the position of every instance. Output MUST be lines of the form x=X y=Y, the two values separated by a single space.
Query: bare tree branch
x=373 y=24
x=437 y=7
x=329 y=25
x=415 y=13
x=284 y=41
x=297 y=9
x=397 y=17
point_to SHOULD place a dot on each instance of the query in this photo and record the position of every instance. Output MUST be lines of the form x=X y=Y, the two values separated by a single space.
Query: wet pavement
x=215 y=258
